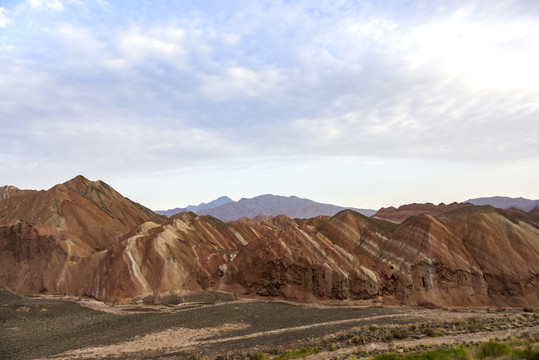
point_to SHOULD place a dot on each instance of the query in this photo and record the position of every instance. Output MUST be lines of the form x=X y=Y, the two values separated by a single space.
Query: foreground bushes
x=457 y=353
x=520 y=349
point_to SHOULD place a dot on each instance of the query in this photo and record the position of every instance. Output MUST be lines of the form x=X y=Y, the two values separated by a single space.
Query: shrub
x=492 y=349
x=454 y=353
x=389 y=356
x=432 y=333
x=400 y=333
x=474 y=325
x=301 y=353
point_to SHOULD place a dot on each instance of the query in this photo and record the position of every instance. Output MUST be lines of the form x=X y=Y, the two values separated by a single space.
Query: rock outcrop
x=478 y=257
x=39 y=258
x=89 y=210
x=403 y=212
x=469 y=256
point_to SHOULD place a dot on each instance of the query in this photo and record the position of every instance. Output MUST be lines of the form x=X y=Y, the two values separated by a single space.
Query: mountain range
x=196 y=208
x=265 y=206
x=504 y=202
x=83 y=238
x=226 y=209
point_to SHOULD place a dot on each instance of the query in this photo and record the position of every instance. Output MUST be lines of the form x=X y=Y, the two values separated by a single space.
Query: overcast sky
x=356 y=103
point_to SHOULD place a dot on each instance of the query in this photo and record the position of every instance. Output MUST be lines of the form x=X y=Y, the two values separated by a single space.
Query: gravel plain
x=45 y=328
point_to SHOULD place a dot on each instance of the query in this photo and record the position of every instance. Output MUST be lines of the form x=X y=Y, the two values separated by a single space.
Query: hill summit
x=83 y=238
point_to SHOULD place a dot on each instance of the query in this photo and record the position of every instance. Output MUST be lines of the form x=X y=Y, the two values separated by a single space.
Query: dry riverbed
x=46 y=328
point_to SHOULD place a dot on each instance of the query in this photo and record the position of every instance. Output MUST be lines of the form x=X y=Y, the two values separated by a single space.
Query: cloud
x=236 y=81
x=121 y=85
x=55 y=5
x=501 y=55
x=4 y=20
x=79 y=40
x=157 y=43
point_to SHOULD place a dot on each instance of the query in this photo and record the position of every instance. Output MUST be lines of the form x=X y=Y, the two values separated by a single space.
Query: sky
x=355 y=103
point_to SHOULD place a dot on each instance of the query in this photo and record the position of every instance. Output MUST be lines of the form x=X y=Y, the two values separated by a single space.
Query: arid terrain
x=53 y=328
x=83 y=238
x=93 y=274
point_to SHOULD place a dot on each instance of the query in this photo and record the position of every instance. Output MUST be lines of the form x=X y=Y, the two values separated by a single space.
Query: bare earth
x=45 y=328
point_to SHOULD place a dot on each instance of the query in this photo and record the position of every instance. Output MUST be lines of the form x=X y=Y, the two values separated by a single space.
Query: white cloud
x=240 y=81
x=501 y=55
x=55 y=5
x=159 y=43
x=79 y=39
x=102 y=3
x=4 y=20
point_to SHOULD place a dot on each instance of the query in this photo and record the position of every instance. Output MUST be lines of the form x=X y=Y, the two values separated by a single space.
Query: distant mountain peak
x=273 y=205
x=194 y=208
x=506 y=202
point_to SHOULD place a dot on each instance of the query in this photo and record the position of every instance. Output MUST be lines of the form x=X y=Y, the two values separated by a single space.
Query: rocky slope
x=39 y=258
x=470 y=256
x=89 y=210
x=405 y=211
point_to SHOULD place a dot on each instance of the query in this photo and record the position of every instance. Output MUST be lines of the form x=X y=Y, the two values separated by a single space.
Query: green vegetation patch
x=515 y=349
x=492 y=349
x=456 y=353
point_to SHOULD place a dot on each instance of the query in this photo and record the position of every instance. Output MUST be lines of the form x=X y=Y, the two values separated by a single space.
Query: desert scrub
x=294 y=354
x=523 y=348
x=492 y=349
x=455 y=353
x=432 y=333
x=475 y=325
x=388 y=336
x=400 y=333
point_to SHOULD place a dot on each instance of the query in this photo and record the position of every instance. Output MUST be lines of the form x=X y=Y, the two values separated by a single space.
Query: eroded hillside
x=470 y=256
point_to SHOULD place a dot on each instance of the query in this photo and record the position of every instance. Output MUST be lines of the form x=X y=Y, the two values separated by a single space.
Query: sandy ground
x=164 y=341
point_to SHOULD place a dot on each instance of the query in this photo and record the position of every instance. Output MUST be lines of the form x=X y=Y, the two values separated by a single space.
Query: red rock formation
x=406 y=211
x=91 y=211
x=8 y=191
x=424 y=260
x=39 y=258
x=470 y=256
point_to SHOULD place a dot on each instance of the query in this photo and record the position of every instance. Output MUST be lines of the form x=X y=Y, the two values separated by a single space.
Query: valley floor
x=48 y=328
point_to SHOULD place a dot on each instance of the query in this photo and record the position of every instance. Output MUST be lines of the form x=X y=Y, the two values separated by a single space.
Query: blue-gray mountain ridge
x=505 y=202
x=268 y=204
x=194 y=208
